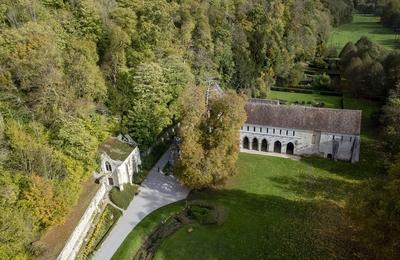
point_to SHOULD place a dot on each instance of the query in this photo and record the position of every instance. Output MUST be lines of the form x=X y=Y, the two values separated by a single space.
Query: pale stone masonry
x=301 y=130
x=77 y=237
x=120 y=160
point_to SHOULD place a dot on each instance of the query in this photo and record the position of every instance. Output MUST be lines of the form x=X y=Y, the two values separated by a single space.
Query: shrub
x=206 y=213
x=168 y=169
x=322 y=81
x=295 y=75
x=104 y=222
x=202 y=215
x=37 y=248
x=320 y=63
x=140 y=176
x=157 y=151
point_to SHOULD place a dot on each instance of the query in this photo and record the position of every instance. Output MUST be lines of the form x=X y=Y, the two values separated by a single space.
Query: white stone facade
x=121 y=172
x=75 y=241
x=116 y=170
x=300 y=142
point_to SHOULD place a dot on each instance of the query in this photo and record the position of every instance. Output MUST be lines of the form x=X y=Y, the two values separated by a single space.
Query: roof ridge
x=345 y=121
x=300 y=106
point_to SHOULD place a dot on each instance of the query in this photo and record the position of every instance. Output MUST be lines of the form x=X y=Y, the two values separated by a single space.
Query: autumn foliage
x=210 y=137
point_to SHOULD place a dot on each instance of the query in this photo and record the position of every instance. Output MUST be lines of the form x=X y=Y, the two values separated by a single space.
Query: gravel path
x=281 y=155
x=157 y=191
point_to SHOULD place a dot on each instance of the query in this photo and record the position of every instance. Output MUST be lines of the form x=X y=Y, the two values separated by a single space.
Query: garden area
x=306 y=99
x=97 y=233
x=363 y=25
x=276 y=208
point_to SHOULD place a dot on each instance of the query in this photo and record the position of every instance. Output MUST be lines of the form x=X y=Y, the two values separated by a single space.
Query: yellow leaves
x=18 y=138
x=40 y=199
x=209 y=139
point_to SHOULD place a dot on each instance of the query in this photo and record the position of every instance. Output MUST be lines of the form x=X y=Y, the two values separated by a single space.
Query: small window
x=260 y=129
x=108 y=167
x=274 y=131
x=314 y=137
x=110 y=181
x=287 y=132
x=254 y=129
x=333 y=138
x=280 y=131
x=351 y=139
x=342 y=138
x=267 y=130
x=248 y=128
x=294 y=133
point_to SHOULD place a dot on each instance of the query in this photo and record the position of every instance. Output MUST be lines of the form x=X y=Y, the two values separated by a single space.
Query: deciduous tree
x=210 y=137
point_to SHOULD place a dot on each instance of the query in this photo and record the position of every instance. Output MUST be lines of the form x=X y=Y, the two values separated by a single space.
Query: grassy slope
x=133 y=242
x=330 y=101
x=363 y=25
x=278 y=208
x=123 y=198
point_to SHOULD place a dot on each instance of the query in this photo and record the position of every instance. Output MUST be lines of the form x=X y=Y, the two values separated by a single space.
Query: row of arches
x=265 y=146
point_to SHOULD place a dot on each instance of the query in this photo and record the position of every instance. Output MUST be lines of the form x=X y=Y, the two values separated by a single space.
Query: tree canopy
x=209 y=137
x=74 y=72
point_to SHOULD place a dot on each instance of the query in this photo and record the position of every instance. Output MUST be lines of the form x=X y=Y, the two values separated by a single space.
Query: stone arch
x=264 y=145
x=254 y=144
x=108 y=167
x=290 y=148
x=277 y=147
x=246 y=143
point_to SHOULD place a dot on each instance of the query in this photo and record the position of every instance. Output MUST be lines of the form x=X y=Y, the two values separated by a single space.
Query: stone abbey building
x=301 y=130
x=120 y=160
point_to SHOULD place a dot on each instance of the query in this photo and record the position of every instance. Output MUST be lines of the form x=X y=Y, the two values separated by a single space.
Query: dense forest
x=73 y=72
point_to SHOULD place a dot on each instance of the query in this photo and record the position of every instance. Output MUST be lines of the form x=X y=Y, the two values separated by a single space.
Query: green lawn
x=133 y=242
x=123 y=198
x=369 y=109
x=291 y=97
x=363 y=25
x=277 y=209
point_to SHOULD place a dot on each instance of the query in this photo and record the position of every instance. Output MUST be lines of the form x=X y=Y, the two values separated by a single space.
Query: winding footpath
x=156 y=191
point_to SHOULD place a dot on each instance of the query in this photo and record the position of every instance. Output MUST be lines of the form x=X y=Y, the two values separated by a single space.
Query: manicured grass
x=369 y=109
x=123 y=198
x=277 y=209
x=363 y=25
x=134 y=240
x=290 y=97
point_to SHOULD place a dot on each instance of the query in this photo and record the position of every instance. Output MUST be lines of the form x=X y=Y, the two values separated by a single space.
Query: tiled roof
x=341 y=121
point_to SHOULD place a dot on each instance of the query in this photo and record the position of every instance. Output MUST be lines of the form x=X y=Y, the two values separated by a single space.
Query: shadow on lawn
x=265 y=226
x=370 y=165
x=309 y=186
x=395 y=44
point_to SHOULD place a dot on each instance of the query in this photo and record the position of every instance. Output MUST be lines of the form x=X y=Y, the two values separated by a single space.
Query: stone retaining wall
x=75 y=241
